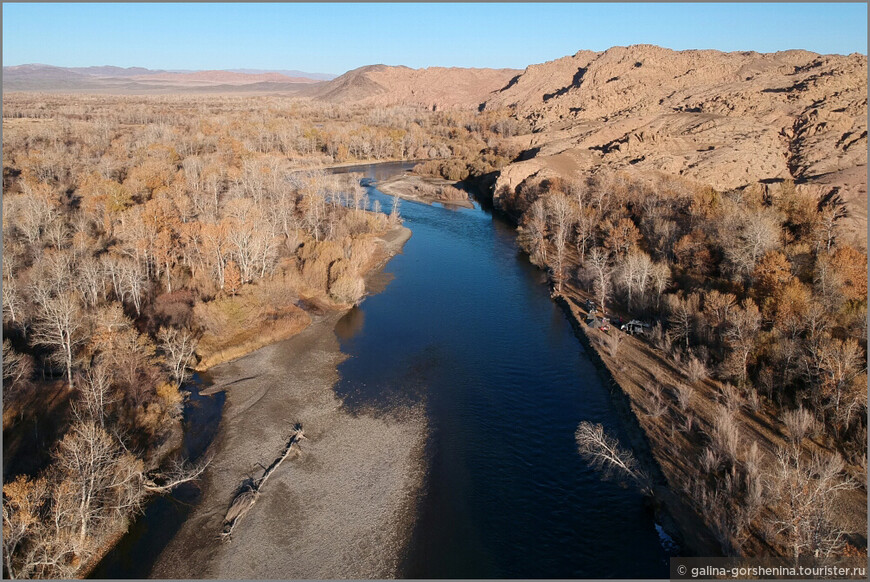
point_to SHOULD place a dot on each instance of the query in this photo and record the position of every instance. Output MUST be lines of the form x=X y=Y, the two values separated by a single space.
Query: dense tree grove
x=134 y=228
x=754 y=289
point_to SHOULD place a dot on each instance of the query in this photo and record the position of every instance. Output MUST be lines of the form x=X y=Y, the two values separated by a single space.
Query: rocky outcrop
x=723 y=119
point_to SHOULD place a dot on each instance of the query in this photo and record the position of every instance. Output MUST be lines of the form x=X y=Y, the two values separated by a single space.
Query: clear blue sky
x=333 y=38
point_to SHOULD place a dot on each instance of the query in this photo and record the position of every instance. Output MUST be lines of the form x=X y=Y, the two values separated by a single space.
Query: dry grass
x=233 y=326
x=252 y=339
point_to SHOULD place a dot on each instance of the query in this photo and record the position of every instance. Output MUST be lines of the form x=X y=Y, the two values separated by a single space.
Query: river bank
x=465 y=330
x=670 y=440
x=361 y=163
x=627 y=376
x=343 y=508
x=319 y=318
x=678 y=519
x=271 y=322
x=425 y=189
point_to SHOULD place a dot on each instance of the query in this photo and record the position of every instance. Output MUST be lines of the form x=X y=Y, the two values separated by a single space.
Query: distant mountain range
x=136 y=80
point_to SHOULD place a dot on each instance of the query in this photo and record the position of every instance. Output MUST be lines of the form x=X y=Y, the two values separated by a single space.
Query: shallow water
x=466 y=326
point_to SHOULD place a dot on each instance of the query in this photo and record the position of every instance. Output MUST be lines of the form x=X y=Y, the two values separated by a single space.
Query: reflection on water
x=351 y=324
x=375 y=172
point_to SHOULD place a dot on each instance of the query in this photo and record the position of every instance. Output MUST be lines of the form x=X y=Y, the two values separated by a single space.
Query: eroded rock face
x=723 y=119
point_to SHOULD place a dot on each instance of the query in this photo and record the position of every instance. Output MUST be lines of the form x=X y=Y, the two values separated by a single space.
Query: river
x=467 y=327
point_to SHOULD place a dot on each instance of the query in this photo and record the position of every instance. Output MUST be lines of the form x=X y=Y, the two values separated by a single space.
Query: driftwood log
x=249 y=491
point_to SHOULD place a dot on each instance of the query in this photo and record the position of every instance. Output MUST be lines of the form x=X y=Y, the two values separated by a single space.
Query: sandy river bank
x=425 y=189
x=343 y=509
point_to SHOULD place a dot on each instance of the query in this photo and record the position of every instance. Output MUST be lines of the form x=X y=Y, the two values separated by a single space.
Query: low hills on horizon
x=721 y=119
x=108 y=79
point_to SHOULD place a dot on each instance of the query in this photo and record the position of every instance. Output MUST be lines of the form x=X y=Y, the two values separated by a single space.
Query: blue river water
x=467 y=327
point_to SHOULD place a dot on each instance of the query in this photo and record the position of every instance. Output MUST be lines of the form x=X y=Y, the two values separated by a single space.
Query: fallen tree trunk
x=249 y=491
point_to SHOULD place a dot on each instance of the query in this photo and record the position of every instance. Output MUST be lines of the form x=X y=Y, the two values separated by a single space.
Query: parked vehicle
x=635 y=327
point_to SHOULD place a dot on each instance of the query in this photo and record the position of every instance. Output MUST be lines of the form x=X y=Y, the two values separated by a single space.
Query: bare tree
x=604 y=454
x=395 y=216
x=635 y=276
x=96 y=391
x=134 y=284
x=58 y=326
x=747 y=237
x=681 y=318
x=34 y=212
x=105 y=480
x=584 y=230
x=661 y=278
x=741 y=333
x=806 y=490
x=91 y=281
x=599 y=267
x=561 y=215
x=839 y=363
x=534 y=232
x=27 y=547
x=178 y=347
x=13 y=308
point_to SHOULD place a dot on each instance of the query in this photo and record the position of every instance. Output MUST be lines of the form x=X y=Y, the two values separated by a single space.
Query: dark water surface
x=466 y=327
x=136 y=553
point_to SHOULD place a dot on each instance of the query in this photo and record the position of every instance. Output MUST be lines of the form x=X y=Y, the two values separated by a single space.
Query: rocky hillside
x=435 y=87
x=724 y=119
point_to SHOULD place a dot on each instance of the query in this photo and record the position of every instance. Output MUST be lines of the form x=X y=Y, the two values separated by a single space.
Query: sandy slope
x=435 y=87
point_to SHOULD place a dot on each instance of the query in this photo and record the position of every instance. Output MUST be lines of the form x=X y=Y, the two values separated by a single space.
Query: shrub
x=348 y=288
x=684 y=395
x=696 y=370
x=799 y=423
x=726 y=435
x=657 y=404
x=612 y=341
